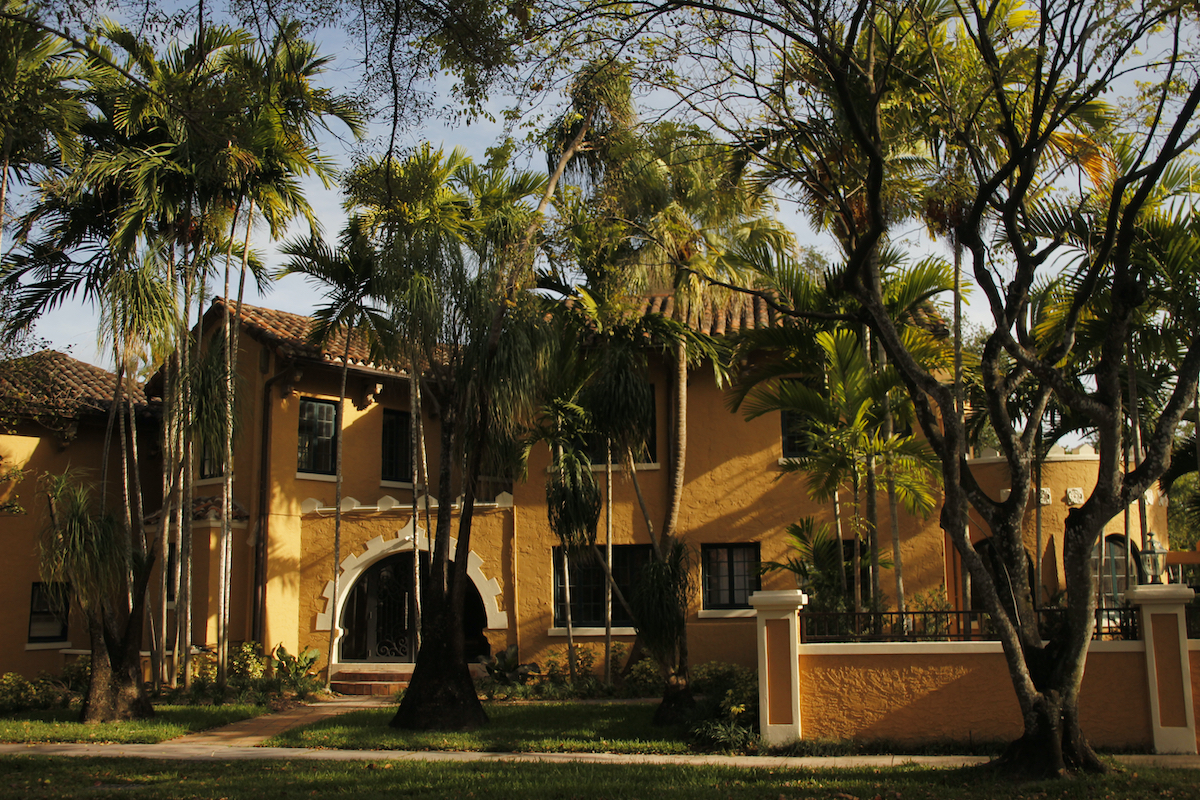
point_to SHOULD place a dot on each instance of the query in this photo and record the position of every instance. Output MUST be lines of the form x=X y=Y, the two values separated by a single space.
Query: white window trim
x=47 y=645
x=396 y=484
x=624 y=631
x=316 y=476
x=641 y=466
x=727 y=613
x=210 y=481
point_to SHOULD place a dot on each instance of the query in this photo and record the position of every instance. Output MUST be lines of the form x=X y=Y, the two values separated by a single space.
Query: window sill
x=396 y=484
x=591 y=631
x=47 y=645
x=651 y=466
x=316 y=476
x=217 y=481
x=727 y=613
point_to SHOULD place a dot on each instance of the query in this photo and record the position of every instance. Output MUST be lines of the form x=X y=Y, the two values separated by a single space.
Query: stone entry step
x=365 y=681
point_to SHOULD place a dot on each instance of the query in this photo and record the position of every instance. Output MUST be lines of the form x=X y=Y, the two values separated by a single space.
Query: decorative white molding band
x=354 y=565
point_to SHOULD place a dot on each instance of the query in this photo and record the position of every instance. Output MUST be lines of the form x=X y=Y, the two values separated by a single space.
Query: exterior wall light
x=1154 y=558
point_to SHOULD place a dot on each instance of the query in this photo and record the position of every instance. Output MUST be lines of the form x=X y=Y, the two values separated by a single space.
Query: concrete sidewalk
x=255 y=731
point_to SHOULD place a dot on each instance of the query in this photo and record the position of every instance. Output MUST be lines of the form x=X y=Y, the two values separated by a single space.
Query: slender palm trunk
x=841 y=541
x=337 y=510
x=889 y=469
x=4 y=192
x=415 y=452
x=608 y=552
x=566 y=573
x=856 y=557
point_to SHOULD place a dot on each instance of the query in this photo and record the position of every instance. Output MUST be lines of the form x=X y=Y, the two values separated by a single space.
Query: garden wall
x=952 y=691
x=1135 y=694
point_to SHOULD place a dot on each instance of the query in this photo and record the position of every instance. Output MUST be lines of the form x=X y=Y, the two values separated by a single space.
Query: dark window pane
x=212 y=464
x=647 y=453
x=397 y=446
x=730 y=574
x=316 y=451
x=48 y=609
x=587 y=585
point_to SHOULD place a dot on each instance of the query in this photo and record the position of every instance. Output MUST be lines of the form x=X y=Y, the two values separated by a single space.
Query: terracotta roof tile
x=205 y=508
x=724 y=317
x=743 y=312
x=53 y=382
x=289 y=333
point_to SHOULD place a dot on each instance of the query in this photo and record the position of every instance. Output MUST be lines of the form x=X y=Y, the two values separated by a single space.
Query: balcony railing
x=948 y=626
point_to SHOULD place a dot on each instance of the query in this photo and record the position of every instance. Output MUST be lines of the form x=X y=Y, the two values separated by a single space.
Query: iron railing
x=1191 y=619
x=948 y=626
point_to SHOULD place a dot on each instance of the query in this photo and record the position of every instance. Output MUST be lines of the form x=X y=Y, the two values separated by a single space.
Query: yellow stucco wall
x=39 y=450
x=733 y=494
x=491 y=530
x=915 y=695
x=1061 y=472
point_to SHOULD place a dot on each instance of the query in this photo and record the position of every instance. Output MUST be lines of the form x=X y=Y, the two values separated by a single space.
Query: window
x=730 y=574
x=318 y=437
x=1115 y=577
x=796 y=428
x=48 y=608
x=647 y=454
x=212 y=465
x=795 y=434
x=587 y=585
x=397 y=446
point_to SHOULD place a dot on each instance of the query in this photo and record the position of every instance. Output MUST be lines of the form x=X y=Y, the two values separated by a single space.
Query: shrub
x=727 y=719
x=295 y=672
x=246 y=664
x=644 y=680
x=16 y=693
x=76 y=674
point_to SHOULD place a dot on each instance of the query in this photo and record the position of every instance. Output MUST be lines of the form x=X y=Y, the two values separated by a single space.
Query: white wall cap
x=783 y=598
x=1160 y=593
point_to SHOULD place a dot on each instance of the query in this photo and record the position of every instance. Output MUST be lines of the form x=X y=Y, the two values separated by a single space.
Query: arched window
x=1115 y=572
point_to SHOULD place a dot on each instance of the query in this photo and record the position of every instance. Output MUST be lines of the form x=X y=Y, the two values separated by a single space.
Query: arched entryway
x=379 y=611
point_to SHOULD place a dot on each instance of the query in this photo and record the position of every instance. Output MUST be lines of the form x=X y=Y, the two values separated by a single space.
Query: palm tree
x=274 y=148
x=350 y=279
x=845 y=434
x=40 y=107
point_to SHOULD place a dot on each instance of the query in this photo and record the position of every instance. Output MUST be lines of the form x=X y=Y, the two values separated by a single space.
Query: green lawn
x=528 y=727
x=49 y=779
x=59 y=725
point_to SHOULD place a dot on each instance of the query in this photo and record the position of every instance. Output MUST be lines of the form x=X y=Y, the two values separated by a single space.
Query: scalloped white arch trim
x=353 y=566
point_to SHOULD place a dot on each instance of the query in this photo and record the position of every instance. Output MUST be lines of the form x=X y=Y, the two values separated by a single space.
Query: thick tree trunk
x=441 y=694
x=1052 y=745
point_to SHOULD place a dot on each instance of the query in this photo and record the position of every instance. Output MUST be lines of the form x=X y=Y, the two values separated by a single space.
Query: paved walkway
x=237 y=742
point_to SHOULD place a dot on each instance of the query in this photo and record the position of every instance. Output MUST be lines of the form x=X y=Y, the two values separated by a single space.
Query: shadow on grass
x=43 y=779
x=61 y=725
x=532 y=727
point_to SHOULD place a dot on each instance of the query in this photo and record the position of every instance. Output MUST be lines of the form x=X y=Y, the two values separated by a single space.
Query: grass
x=70 y=778
x=527 y=728
x=60 y=725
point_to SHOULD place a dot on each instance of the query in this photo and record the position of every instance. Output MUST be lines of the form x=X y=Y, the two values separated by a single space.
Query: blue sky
x=73 y=325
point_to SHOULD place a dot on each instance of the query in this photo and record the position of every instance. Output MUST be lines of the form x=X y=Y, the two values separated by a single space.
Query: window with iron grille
x=730 y=574
x=646 y=454
x=587 y=585
x=317 y=447
x=397 y=446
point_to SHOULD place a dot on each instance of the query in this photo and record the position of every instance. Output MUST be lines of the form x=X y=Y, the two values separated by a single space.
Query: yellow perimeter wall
x=960 y=692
